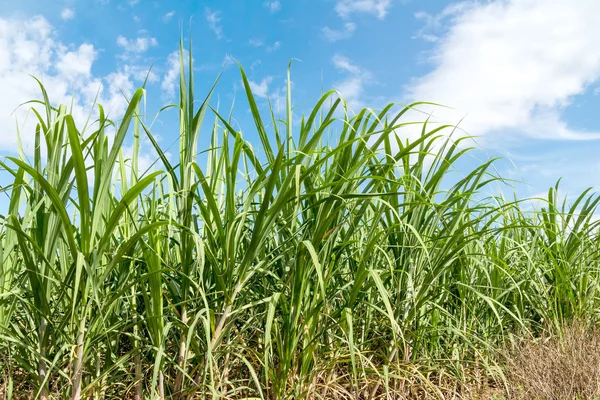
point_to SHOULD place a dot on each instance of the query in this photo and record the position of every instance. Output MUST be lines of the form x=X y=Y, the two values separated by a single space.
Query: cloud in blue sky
x=168 y=16
x=379 y=8
x=273 y=6
x=513 y=65
x=352 y=86
x=137 y=45
x=67 y=14
x=31 y=46
x=333 y=35
x=214 y=22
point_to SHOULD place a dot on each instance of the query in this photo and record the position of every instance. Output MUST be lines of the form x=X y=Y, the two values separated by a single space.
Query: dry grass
x=406 y=383
x=557 y=366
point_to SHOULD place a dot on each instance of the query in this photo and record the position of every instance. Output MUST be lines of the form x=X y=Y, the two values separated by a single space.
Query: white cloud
x=333 y=35
x=344 y=64
x=171 y=77
x=512 y=66
x=434 y=22
x=67 y=14
x=31 y=47
x=168 y=83
x=256 y=42
x=273 y=6
x=379 y=8
x=214 y=22
x=78 y=63
x=353 y=86
x=261 y=89
x=138 y=45
x=168 y=16
x=140 y=73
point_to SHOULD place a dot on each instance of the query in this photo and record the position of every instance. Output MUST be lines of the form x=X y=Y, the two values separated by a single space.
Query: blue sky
x=523 y=73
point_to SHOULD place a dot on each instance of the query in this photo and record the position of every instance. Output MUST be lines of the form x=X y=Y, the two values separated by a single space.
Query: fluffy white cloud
x=275 y=95
x=138 y=45
x=171 y=77
x=140 y=73
x=168 y=82
x=352 y=87
x=31 y=47
x=344 y=64
x=333 y=35
x=214 y=22
x=78 y=63
x=67 y=14
x=512 y=65
x=261 y=89
x=379 y=8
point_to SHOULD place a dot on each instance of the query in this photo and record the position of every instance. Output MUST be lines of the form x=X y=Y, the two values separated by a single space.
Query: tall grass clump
x=329 y=259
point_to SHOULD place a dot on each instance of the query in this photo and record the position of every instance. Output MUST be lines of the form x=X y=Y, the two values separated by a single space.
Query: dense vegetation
x=338 y=261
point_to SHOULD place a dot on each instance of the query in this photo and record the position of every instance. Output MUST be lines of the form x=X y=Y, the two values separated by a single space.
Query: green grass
x=339 y=261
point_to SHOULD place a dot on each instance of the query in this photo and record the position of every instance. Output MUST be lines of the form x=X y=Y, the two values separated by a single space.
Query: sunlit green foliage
x=333 y=262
